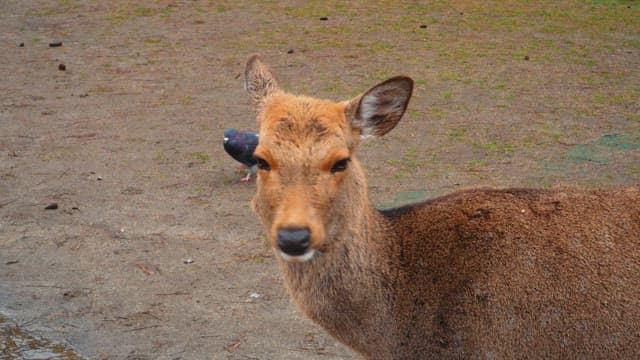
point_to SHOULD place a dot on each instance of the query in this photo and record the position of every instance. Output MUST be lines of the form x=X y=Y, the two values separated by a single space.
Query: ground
x=153 y=251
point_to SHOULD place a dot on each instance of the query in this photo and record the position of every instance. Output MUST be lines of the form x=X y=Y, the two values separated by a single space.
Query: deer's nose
x=294 y=242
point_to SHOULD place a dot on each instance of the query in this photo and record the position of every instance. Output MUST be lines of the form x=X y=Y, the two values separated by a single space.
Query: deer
x=480 y=273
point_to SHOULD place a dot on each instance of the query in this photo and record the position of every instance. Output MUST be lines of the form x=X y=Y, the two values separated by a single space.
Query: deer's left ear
x=259 y=81
x=379 y=109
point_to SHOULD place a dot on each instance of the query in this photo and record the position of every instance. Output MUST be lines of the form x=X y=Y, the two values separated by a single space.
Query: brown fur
x=486 y=274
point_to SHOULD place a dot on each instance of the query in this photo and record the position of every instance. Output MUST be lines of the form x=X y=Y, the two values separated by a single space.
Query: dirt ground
x=153 y=251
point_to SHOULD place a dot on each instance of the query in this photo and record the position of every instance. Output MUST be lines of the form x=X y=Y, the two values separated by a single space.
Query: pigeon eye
x=340 y=165
x=263 y=164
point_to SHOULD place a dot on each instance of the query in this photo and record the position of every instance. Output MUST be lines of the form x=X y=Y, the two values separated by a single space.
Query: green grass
x=200 y=157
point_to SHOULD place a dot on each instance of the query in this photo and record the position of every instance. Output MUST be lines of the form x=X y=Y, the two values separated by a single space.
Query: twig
x=173 y=293
x=7 y=203
x=142 y=328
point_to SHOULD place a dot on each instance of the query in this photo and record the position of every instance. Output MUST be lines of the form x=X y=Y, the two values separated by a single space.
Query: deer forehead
x=292 y=125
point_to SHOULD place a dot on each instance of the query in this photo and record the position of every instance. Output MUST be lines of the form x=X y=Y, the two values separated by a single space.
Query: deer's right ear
x=259 y=82
x=379 y=109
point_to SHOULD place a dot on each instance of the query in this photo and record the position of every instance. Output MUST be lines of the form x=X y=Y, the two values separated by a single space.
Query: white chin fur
x=300 y=258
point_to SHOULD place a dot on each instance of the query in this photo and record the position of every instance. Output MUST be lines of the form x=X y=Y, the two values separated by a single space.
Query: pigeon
x=240 y=145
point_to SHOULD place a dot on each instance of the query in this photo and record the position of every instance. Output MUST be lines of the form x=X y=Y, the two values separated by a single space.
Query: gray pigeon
x=240 y=145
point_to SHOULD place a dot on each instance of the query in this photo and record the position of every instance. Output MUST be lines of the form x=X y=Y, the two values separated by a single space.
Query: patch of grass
x=476 y=165
x=200 y=157
x=160 y=155
x=334 y=88
x=490 y=146
x=156 y=41
x=101 y=89
x=449 y=75
x=399 y=174
x=52 y=11
x=500 y=86
x=200 y=190
x=144 y=11
x=136 y=140
x=166 y=12
x=43 y=157
x=458 y=133
x=613 y=3
x=186 y=100
x=409 y=163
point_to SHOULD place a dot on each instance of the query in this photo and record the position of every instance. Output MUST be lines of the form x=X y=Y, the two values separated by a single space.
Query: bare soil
x=153 y=251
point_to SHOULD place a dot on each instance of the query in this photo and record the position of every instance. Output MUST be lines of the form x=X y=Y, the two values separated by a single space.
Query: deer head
x=311 y=189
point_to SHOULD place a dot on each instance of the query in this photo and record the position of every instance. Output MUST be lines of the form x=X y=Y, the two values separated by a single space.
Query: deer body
x=485 y=273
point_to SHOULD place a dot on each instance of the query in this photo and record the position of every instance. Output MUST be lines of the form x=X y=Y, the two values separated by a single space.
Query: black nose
x=294 y=242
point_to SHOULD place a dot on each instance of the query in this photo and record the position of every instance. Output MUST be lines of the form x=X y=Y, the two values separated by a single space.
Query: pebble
x=51 y=206
x=324 y=18
x=62 y=67
x=188 y=261
x=423 y=26
x=55 y=44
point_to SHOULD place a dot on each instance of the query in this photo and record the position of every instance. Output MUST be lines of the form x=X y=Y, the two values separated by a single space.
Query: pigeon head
x=240 y=145
x=228 y=134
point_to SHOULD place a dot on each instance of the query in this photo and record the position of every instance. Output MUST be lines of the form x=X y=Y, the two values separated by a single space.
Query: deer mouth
x=298 y=258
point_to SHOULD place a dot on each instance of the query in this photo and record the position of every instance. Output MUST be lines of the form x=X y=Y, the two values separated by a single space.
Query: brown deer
x=483 y=274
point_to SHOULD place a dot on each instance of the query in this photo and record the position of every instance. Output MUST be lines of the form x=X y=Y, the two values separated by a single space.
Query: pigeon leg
x=251 y=170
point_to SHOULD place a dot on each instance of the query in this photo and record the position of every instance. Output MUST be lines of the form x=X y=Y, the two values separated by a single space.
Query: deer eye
x=263 y=164
x=340 y=165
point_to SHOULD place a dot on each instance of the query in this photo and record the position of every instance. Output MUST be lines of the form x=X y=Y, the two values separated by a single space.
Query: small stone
x=51 y=206
x=188 y=261
x=55 y=44
x=423 y=26
x=21 y=44
x=119 y=234
x=255 y=295
x=290 y=51
x=62 y=67
x=526 y=57
x=324 y=18
x=99 y=178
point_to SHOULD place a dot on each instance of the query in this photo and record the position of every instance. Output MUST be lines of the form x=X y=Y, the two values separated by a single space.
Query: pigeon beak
x=226 y=139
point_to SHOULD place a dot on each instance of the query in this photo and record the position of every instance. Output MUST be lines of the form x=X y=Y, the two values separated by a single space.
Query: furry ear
x=379 y=109
x=259 y=82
